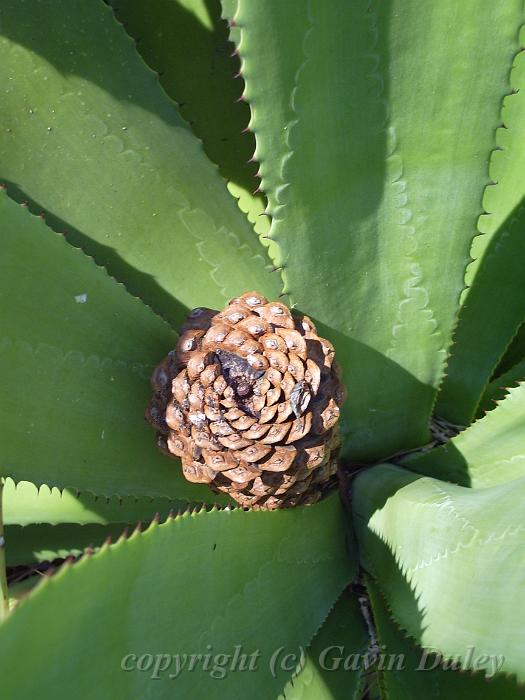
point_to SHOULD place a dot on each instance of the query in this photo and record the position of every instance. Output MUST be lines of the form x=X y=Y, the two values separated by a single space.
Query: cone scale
x=249 y=400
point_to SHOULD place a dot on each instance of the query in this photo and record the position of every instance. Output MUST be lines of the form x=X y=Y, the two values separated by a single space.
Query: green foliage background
x=367 y=165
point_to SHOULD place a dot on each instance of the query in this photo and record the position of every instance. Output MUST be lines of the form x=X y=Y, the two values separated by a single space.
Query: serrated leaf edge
x=219 y=230
x=31 y=211
x=415 y=643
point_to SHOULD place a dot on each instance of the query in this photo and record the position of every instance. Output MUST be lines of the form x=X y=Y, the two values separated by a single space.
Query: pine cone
x=249 y=400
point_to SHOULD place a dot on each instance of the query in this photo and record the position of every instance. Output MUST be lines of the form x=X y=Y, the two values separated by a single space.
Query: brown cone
x=249 y=400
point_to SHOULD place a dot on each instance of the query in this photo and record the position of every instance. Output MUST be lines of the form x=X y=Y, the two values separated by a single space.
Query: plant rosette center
x=249 y=400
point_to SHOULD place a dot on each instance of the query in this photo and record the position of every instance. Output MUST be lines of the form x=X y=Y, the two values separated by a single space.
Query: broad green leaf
x=381 y=182
x=89 y=136
x=450 y=561
x=25 y=504
x=487 y=322
x=76 y=352
x=88 y=433
x=490 y=452
x=411 y=673
x=186 y=43
x=499 y=387
x=206 y=583
x=507 y=161
x=38 y=543
x=53 y=294
x=333 y=664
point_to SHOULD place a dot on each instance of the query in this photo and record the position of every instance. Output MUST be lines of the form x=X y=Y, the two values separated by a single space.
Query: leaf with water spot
x=75 y=376
x=90 y=137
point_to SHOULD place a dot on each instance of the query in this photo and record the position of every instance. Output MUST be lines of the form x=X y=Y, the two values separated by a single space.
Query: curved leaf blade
x=34 y=544
x=454 y=579
x=410 y=672
x=515 y=352
x=499 y=387
x=259 y=581
x=25 y=504
x=76 y=352
x=487 y=322
x=269 y=67
x=333 y=666
x=380 y=183
x=505 y=190
x=490 y=452
x=186 y=43
x=90 y=137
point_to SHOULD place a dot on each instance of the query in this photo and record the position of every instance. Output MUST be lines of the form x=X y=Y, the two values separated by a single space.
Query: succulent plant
x=359 y=164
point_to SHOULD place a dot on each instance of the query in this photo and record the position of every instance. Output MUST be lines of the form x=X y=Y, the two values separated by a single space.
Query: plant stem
x=4 y=603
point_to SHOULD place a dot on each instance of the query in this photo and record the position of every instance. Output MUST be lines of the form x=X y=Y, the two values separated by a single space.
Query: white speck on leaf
x=81 y=298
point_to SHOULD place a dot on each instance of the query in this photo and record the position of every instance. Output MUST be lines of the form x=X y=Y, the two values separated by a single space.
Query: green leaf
x=76 y=352
x=378 y=190
x=450 y=561
x=332 y=667
x=411 y=673
x=186 y=43
x=53 y=294
x=38 y=543
x=499 y=387
x=25 y=504
x=259 y=581
x=490 y=452
x=269 y=67
x=488 y=321
x=89 y=136
x=515 y=352
x=506 y=189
